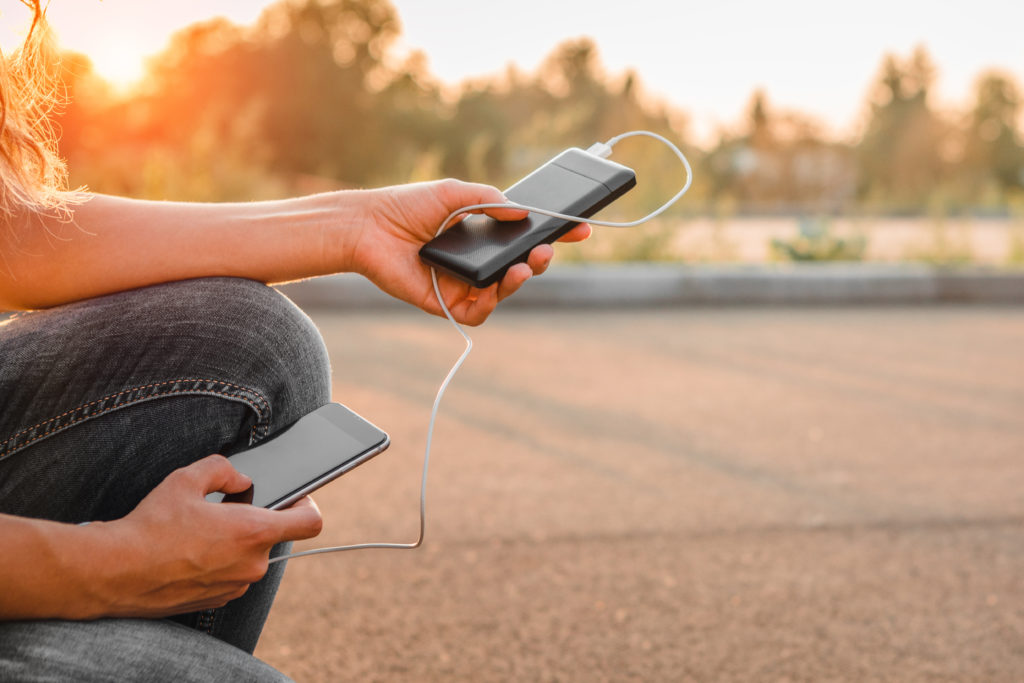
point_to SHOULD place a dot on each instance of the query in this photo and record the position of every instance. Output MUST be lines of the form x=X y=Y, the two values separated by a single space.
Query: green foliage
x=946 y=246
x=816 y=241
x=1015 y=254
x=944 y=249
x=993 y=158
x=900 y=156
x=650 y=242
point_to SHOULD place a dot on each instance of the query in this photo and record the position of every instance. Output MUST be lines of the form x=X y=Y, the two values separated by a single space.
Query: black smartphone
x=479 y=250
x=316 y=449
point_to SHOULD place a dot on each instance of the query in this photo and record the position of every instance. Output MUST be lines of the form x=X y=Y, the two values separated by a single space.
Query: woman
x=151 y=343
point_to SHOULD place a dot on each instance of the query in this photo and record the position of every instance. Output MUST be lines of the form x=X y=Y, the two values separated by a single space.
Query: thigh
x=114 y=650
x=101 y=399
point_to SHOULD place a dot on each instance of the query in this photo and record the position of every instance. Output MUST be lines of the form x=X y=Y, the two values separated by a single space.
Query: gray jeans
x=99 y=401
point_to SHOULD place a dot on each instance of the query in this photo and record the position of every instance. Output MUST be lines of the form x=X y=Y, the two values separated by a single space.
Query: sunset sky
x=705 y=58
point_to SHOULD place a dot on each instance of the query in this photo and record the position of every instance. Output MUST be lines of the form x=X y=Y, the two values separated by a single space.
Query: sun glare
x=118 y=55
x=120 y=63
x=119 y=35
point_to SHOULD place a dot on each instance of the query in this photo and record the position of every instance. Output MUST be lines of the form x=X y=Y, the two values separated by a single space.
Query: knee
x=247 y=332
x=287 y=351
x=230 y=360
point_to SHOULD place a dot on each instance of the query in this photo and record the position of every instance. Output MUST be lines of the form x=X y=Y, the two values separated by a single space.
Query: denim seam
x=206 y=619
x=140 y=394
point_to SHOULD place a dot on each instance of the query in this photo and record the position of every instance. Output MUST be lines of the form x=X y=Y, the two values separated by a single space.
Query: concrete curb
x=720 y=285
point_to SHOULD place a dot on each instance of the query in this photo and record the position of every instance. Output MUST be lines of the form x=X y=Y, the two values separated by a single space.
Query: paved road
x=739 y=495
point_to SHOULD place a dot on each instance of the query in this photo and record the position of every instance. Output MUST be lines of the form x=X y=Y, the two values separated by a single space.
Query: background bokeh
x=317 y=95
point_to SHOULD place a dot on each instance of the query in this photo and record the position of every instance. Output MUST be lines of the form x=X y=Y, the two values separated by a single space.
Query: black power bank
x=479 y=250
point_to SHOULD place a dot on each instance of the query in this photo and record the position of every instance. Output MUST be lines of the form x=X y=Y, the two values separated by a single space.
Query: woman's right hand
x=384 y=245
x=177 y=552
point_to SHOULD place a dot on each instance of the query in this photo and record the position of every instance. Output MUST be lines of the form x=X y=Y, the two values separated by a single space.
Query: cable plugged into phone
x=490 y=251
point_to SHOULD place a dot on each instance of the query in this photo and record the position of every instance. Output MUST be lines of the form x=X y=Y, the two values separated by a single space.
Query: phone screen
x=316 y=449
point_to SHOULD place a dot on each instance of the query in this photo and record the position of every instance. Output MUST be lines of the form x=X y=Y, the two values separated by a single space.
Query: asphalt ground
x=675 y=495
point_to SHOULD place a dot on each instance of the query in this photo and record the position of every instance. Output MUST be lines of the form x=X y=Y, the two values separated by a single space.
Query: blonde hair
x=32 y=175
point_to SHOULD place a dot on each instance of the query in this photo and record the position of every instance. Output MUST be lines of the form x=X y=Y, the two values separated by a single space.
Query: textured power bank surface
x=479 y=250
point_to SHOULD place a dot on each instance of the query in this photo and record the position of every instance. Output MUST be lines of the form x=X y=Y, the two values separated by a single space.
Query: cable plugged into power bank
x=600 y=149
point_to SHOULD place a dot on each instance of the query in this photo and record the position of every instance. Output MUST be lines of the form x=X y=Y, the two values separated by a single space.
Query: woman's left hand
x=405 y=217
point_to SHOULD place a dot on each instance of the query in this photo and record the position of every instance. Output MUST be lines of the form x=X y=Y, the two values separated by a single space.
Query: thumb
x=458 y=193
x=298 y=521
x=215 y=473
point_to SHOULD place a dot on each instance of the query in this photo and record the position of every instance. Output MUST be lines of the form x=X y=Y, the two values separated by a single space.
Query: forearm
x=50 y=570
x=112 y=244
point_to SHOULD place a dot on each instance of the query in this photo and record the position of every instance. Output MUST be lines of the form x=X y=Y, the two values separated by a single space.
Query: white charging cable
x=601 y=149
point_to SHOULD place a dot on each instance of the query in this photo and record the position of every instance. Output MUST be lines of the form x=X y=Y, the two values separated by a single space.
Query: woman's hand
x=403 y=218
x=177 y=553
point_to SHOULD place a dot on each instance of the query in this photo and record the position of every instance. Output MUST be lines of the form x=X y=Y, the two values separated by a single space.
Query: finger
x=214 y=473
x=299 y=521
x=540 y=258
x=455 y=220
x=577 y=234
x=514 y=279
x=456 y=193
x=507 y=214
x=305 y=501
x=454 y=292
x=477 y=310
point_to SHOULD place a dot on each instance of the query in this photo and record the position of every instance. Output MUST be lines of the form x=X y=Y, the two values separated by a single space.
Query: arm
x=174 y=553
x=112 y=244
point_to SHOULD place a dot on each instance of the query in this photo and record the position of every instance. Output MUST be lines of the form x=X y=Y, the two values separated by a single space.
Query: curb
x=598 y=286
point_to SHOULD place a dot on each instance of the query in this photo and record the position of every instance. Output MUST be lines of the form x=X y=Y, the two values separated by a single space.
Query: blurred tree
x=475 y=140
x=993 y=153
x=408 y=112
x=761 y=134
x=305 y=92
x=319 y=62
x=900 y=156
